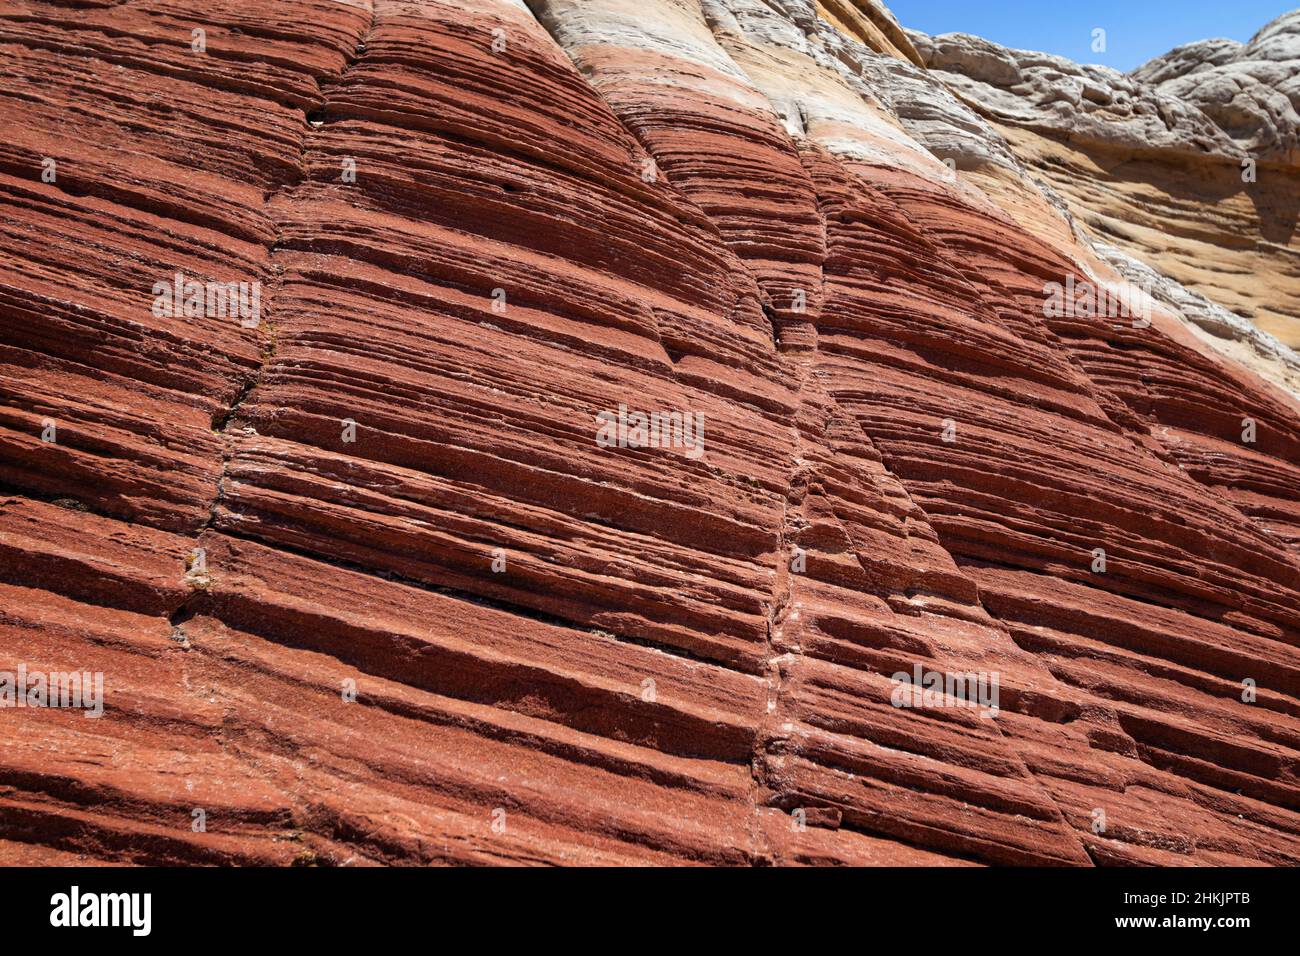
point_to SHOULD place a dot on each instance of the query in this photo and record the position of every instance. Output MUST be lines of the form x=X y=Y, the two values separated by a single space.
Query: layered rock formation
x=1191 y=163
x=363 y=583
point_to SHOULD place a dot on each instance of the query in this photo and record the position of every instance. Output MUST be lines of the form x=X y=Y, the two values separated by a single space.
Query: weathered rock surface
x=1190 y=164
x=1215 y=96
x=1251 y=91
x=1083 y=103
x=365 y=588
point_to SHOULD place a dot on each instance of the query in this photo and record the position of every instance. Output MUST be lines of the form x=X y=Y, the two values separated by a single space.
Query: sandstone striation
x=365 y=587
x=1189 y=164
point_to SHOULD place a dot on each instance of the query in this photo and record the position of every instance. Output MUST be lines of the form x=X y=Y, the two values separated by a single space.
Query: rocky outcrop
x=1189 y=164
x=365 y=579
x=1095 y=105
x=1215 y=97
x=1251 y=91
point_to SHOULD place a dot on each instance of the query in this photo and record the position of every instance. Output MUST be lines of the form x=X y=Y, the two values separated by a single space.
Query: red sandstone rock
x=365 y=589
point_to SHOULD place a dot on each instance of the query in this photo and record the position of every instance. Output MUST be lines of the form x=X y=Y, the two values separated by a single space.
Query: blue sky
x=1136 y=30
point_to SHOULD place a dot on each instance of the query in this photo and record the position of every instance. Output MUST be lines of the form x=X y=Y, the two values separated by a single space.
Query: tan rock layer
x=871 y=23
